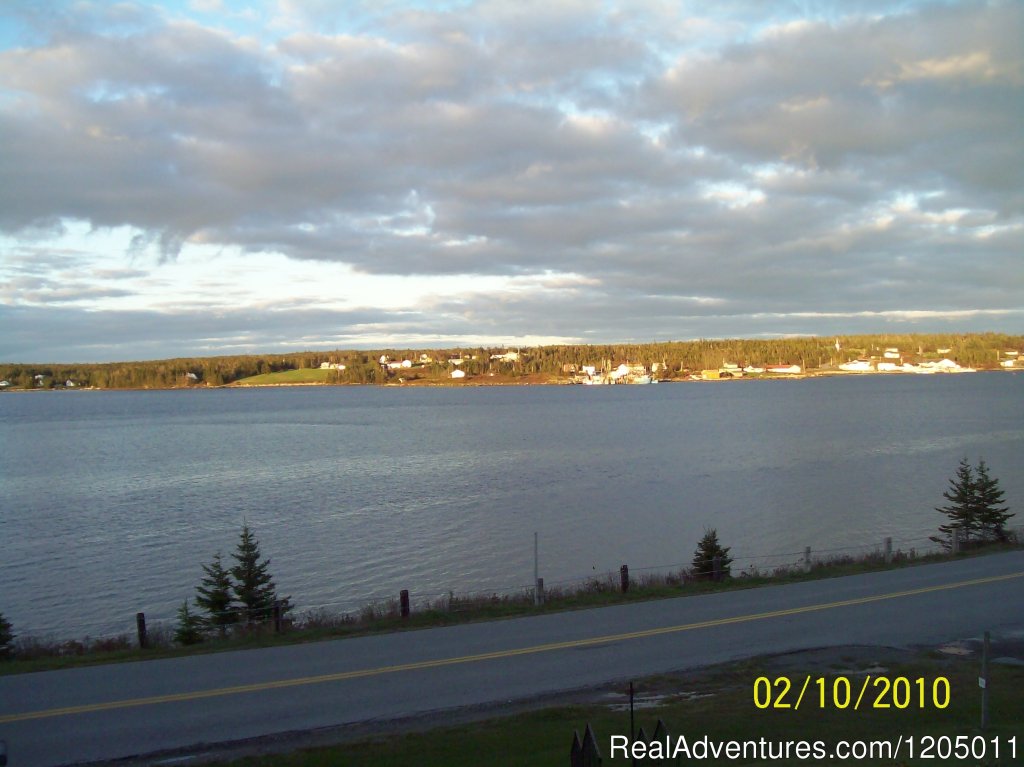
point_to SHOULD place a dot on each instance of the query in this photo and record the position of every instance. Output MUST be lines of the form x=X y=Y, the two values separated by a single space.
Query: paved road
x=104 y=712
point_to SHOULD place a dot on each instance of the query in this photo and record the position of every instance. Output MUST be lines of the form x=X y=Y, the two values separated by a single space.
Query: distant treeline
x=679 y=358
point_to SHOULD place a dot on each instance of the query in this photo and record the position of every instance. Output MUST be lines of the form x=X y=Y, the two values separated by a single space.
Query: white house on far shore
x=458 y=373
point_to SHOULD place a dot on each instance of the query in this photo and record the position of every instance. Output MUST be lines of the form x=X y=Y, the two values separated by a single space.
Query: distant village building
x=857 y=366
x=506 y=357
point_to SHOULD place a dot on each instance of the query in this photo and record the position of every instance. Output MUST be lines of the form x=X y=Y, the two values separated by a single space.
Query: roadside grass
x=37 y=654
x=718 y=704
x=302 y=375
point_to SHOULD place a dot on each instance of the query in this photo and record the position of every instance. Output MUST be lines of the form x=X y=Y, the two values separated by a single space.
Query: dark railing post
x=277 y=616
x=140 y=625
x=403 y=599
x=624 y=578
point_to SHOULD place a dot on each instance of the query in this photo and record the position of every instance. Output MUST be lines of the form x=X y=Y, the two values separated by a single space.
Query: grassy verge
x=38 y=655
x=718 y=704
x=300 y=376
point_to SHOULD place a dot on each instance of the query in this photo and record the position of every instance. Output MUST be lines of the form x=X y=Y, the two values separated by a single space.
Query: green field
x=300 y=376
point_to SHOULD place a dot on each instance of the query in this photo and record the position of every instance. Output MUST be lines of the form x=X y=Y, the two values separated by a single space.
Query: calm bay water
x=111 y=501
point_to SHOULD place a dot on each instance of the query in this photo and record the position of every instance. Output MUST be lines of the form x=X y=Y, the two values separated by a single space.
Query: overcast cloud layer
x=205 y=177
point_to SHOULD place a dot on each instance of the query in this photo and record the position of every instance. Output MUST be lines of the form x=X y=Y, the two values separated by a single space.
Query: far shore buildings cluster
x=889 y=360
x=424 y=360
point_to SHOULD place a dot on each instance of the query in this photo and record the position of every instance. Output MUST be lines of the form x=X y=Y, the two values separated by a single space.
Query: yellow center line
x=498 y=654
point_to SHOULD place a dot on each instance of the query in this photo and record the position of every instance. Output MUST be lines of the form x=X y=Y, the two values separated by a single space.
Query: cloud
x=750 y=156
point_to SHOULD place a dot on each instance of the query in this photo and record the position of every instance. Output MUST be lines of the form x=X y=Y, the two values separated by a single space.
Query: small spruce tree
x=214 y=596
x=190 y=626
x=991 y=516
x=254 y=586
x=704 y=557
x=6 y=637
x=962 y=510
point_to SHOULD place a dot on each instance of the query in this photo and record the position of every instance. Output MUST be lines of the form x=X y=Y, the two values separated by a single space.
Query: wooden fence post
x=591 y=753
x=661 y=735
x=955 y=548
x=584 y=753
x=641 y=737
x=888 y=551
x=277 y=616
x=538 y=592
x=983 y=681
x=140 y=626
x=624 y=578
x=807 y=559
x=403 y=599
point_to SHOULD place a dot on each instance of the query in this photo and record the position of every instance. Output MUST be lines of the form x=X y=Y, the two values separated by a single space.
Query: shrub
x=6 y=637
x=704 y=558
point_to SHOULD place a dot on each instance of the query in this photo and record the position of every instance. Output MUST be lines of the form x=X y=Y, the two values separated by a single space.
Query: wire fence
x=160 y=628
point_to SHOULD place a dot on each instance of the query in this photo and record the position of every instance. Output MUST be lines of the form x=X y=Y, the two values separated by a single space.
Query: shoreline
x=473 y=383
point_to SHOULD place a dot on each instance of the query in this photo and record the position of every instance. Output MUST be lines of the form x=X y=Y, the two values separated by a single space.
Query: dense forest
x=676 y=359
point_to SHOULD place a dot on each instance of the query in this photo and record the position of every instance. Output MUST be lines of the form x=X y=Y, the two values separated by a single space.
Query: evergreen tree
x=253 y=586
x=974 y=509
x=6 y=637
x=214 y=596
x=991 y=517
x=704 y=557
x=190 y=626
x=961 y=509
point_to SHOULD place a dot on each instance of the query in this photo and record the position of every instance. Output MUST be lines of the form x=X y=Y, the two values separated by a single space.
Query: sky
x=201 y=177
